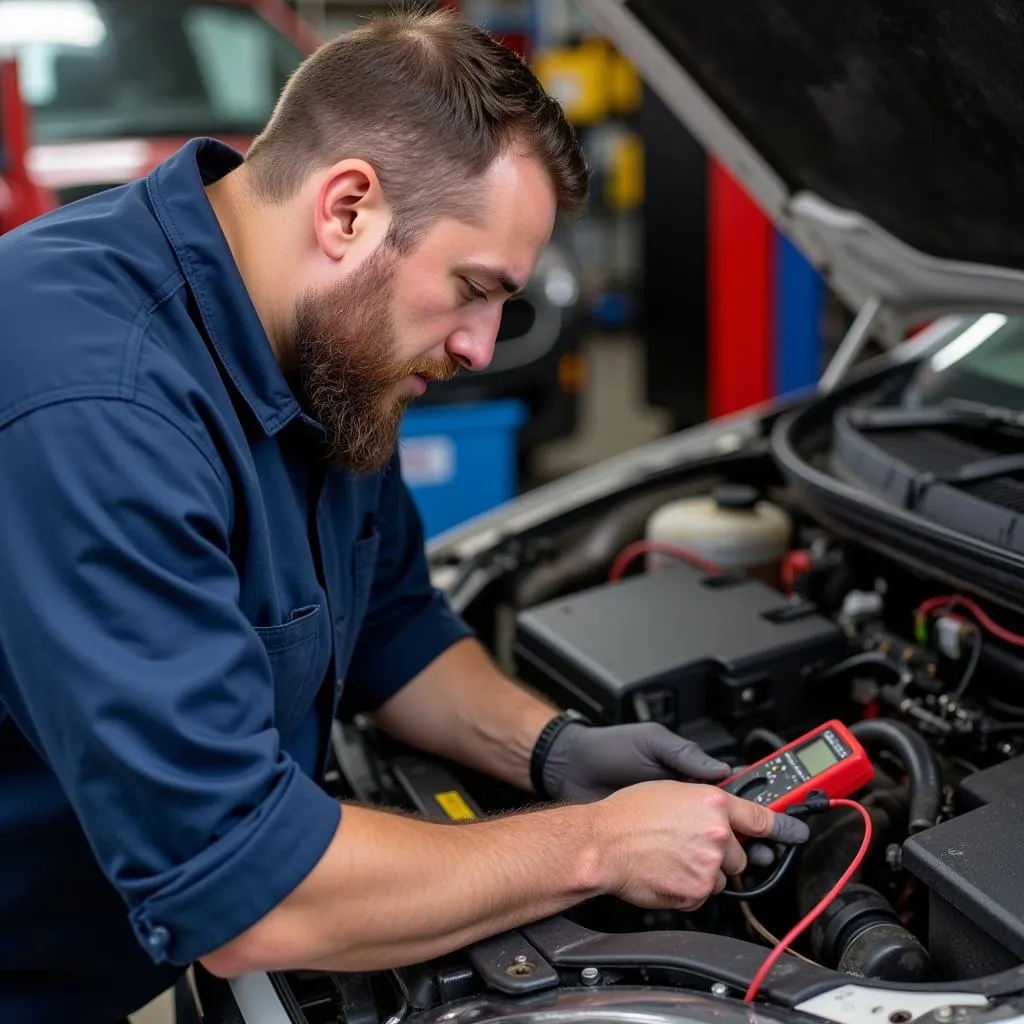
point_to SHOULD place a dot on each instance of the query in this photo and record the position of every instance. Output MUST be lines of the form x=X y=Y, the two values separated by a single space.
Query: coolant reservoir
x=731 y=527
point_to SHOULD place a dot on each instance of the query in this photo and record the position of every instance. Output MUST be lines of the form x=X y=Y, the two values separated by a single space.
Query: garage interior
x=834 y=304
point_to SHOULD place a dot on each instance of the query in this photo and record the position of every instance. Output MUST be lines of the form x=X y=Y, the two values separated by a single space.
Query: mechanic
x=208 y=553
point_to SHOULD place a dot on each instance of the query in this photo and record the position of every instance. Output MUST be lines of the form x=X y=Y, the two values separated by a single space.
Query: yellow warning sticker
x=454 y=805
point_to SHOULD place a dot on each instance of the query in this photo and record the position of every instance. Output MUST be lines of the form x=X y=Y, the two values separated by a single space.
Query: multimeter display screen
x=816 y=757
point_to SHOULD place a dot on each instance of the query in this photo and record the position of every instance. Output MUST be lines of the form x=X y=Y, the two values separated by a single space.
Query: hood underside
x=885 y=136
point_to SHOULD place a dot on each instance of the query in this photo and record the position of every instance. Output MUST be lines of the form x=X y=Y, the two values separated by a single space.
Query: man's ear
x=350 y=206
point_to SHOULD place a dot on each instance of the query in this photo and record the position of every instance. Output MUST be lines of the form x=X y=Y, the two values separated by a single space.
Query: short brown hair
x=430 y=101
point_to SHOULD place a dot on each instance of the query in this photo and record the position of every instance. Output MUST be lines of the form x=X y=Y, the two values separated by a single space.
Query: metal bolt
x=944 y=1013
x=590 y=975
x=720 y=990
x=521 y=959
x=747 y=694
x=520 y=970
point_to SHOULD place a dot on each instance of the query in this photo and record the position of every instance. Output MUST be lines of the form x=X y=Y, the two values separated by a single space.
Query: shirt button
x=158 y=937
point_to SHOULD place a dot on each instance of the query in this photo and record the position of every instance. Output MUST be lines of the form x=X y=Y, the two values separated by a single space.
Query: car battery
x=699 y=653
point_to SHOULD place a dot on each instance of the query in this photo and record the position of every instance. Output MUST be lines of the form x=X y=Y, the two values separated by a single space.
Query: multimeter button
x=755 y=787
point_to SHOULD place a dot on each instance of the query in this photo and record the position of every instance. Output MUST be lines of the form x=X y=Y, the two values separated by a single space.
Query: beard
x=347 y=345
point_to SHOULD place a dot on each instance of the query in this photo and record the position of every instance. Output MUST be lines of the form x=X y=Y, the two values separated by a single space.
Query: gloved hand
x=588 y=763
x=759 y=854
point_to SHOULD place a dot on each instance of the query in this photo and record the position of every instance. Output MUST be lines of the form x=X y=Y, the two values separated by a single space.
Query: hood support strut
x=853 y=343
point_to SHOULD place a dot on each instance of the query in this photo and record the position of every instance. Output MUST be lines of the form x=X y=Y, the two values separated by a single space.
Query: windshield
x=985 y=363
x=100 y=69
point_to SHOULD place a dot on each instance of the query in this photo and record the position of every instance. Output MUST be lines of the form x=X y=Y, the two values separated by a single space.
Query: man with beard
x=208 y=554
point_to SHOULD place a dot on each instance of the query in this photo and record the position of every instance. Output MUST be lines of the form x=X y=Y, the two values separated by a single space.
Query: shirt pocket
x=292 y=650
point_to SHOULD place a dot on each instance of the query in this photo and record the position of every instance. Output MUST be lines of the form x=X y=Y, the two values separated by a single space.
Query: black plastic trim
x=702 y=956
x=712 y=958
x=499 y=961
x=942 y=498
x=927 y=548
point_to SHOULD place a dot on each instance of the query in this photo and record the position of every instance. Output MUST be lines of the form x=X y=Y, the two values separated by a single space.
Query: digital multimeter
x=827 y=759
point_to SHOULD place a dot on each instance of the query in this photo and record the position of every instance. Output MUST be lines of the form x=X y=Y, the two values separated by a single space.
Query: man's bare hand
x=671 y=845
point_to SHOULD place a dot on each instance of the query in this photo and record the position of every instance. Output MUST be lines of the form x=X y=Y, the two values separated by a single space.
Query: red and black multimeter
x=827 y=759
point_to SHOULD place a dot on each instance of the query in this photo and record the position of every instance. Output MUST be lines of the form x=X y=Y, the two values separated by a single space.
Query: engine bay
x=742 y=667
x=715 y=605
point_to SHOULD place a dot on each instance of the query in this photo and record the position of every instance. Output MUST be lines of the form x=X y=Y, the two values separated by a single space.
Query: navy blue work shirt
x=186 y=588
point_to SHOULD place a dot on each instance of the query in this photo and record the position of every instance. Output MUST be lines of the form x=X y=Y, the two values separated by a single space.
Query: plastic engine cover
x=972 y=866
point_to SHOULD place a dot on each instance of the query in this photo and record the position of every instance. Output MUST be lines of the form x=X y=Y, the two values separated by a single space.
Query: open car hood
x=884 y=137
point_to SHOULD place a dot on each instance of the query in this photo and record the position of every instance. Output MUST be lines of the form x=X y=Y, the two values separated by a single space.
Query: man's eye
x=474 y=292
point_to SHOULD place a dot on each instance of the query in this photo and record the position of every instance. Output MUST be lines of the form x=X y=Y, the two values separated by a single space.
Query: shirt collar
x=176 y=190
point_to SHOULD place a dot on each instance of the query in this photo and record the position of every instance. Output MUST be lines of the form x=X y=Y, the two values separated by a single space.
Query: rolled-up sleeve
x=126 y=661
x=408 y=622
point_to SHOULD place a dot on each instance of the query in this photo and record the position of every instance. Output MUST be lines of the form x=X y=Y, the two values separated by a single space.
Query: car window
x=94 y=69
x=984 y=363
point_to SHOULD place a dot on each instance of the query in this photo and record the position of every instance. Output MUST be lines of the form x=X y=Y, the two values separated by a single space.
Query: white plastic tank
x=732 y=527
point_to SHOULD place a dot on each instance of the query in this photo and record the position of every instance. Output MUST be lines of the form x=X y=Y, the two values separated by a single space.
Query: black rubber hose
x=861 y=934
x=921 y=765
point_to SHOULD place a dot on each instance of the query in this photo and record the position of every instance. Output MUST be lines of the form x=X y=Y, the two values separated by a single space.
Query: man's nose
x=473 y=347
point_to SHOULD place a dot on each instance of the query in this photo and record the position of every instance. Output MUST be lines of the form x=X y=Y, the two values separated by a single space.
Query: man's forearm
x=462 y=707
x=393 y=890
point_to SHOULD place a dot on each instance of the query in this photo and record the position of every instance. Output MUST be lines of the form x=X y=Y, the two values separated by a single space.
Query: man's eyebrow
x=483 y=270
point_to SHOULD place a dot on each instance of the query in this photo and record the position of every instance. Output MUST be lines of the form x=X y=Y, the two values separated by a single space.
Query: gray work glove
x=588 y=763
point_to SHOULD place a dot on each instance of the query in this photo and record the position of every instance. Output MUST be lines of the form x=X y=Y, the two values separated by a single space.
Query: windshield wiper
x=954 y=412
